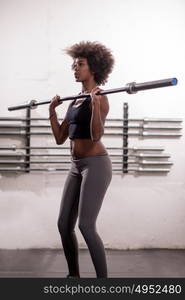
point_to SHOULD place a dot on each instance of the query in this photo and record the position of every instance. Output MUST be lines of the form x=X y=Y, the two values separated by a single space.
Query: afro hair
x=99 y=58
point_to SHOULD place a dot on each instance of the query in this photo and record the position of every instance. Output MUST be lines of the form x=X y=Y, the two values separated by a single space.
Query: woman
x=91 y=171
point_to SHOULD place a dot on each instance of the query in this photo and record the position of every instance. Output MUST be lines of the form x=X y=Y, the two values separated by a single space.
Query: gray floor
x=121 y=263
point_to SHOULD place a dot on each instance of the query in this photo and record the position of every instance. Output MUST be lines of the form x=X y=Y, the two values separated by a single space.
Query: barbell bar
x=130 y=88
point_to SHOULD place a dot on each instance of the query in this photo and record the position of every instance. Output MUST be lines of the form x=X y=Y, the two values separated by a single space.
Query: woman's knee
x=59 y=225
x=65 y=228
x=85 y=227
x=62 y=228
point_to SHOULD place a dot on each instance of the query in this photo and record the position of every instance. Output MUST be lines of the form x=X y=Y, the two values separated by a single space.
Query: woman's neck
x=87 y=86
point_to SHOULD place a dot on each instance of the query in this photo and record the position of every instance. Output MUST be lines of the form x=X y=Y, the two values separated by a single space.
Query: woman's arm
x=60 y=131
x=100 y=109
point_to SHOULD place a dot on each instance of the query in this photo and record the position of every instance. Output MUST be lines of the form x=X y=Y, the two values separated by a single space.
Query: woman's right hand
x=55 y=102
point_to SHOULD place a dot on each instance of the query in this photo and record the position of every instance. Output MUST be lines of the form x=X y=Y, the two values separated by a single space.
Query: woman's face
x=81 y=69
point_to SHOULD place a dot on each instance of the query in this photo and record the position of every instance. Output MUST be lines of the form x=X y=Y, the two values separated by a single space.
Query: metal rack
x=125 y=159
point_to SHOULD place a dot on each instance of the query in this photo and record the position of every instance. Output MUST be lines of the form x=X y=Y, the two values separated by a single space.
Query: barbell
x=130 y=88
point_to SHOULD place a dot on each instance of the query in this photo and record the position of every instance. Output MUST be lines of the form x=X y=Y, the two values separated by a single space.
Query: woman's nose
x=76 y=68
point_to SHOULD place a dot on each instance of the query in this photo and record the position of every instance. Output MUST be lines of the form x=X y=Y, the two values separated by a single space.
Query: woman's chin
x=77 y=80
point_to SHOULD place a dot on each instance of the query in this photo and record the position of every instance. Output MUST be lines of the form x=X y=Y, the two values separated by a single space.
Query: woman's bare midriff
x=85 y=147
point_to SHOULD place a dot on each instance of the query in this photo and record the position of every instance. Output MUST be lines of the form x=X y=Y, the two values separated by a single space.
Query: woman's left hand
x=95 y=98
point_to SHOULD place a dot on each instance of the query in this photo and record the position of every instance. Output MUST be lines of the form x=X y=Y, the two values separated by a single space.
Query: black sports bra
x=79 y=120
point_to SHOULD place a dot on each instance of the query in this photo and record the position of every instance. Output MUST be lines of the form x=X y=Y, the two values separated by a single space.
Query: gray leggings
x=83 y=194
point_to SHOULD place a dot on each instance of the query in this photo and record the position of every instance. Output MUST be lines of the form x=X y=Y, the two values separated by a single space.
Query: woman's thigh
x=96 y=178
x=70 y=200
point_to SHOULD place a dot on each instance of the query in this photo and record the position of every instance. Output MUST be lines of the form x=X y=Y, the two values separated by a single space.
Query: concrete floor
x=121 y=263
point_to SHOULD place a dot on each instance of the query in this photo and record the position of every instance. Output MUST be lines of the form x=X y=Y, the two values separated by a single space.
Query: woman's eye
x=80 y=64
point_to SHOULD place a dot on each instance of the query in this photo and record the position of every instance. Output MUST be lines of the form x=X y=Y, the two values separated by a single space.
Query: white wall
x=148 y=41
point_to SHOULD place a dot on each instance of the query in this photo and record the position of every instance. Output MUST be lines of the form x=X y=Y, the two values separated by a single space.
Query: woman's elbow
x=59 y=141
x=96 y=138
